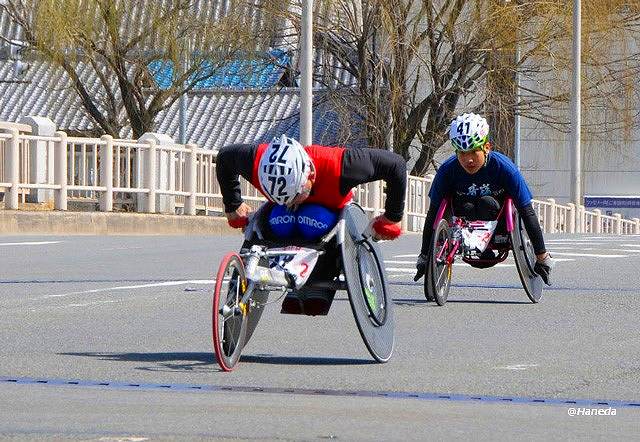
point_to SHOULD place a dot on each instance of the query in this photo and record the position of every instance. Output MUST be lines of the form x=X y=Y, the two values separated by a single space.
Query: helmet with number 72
x=468 y=132
x=284 y=170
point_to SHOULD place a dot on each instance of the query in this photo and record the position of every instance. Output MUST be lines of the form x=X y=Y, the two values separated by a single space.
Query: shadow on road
x=423 y=302
x=190 y=361
x=178 y=361
x=302 y=360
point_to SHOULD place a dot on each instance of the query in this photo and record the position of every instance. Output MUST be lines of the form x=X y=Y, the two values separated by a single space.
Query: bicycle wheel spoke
x=441 y=275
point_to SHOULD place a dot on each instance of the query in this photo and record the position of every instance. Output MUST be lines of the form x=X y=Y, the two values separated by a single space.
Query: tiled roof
x=261 y=71
x=136 y=15
x=219 y=118
x=215 y=118
x=226 y=117
x=44 y=91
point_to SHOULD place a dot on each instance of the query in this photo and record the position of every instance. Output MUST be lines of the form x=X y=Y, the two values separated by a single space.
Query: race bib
x=299 y=265
x=477 y=234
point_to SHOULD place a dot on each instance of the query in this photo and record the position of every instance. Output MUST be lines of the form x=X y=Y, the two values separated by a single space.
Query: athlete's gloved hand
x=383 y=228
x=543 y=268
x=239 y=218
x=421 y=266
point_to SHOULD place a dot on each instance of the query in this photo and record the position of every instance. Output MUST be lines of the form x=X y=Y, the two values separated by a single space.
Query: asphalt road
x=109 y=338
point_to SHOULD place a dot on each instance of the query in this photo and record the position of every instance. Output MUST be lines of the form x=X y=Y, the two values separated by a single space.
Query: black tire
x=229 y=317
x=437 y=281
x=366 y=285
x=525 y=258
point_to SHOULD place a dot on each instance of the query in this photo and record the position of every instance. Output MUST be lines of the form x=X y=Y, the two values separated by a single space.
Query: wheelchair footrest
x=327 y=285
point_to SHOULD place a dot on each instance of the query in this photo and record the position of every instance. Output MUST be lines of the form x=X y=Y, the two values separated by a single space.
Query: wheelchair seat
x=486 y=241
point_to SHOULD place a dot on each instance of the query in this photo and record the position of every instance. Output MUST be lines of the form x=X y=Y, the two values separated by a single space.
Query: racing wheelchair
x=457 y=237
x=245 y=280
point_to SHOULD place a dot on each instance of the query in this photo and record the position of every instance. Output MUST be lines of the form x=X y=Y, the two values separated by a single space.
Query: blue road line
x=142 y=386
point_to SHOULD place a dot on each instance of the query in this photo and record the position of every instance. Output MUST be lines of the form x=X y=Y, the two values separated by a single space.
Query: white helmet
x=284 y=170
x=468 y=132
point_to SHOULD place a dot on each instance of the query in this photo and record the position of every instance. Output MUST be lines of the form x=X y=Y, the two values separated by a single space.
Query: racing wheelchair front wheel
x=525 y=258
x=438 y=278
x=229 y=313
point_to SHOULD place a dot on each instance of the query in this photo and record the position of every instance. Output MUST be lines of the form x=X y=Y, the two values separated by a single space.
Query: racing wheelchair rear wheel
x=230 y=315
x=525 y=258
x=437 y=281
x=368 y=295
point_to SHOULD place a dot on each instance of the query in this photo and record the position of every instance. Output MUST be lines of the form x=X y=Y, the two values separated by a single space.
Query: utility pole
x=306 y=73
x=517 y=123
x=576 y=164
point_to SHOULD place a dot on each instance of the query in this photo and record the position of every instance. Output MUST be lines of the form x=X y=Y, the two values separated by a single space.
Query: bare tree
x=414 y=63
x=121 y=43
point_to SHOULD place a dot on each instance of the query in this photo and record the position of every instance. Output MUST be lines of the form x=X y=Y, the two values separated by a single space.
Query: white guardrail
x=146 y=176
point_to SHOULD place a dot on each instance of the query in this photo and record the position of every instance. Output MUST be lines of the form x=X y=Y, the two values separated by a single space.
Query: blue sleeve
x=439 y=186
x=515 y=185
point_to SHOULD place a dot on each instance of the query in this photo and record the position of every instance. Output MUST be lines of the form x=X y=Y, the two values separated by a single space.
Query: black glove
x=543 y=269
x=421 y=267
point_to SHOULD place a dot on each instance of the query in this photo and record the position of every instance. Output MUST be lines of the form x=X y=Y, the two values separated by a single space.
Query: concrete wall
x=14 y=222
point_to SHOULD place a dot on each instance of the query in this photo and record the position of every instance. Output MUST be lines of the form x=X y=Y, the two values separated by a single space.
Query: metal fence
x=146 y=176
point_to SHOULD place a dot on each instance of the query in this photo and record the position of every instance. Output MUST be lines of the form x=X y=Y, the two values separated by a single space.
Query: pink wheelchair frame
x=503 y=249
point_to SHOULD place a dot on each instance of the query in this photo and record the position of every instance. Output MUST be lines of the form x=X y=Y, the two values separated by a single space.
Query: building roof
x=224 y=117
x=214 y=117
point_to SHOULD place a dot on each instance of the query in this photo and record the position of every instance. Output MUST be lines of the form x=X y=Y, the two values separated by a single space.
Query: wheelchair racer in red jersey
x=308 y=186
x=477 y=180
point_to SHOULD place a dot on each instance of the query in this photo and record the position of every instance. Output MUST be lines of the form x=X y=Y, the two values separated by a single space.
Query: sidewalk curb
x=16 y=222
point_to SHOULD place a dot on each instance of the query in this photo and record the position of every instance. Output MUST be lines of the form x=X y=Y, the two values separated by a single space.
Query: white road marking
x=390 y=261
x=400 y=270
x=455 y=264
x=516 y=367
x=394 y=275
x=497 y=265
x=123 y=439
x=595 y=248
x=129 y=287
x=590 y=255
x=581 y=240
x=86 y=304
x=29 y=243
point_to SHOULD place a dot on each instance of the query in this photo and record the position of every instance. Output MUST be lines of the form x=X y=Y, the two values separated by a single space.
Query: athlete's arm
x=232 y=161
x=439 y=189
x=361 y=166
x=516 y=186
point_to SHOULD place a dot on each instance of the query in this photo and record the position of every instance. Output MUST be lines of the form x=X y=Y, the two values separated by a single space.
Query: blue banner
x=626 y=202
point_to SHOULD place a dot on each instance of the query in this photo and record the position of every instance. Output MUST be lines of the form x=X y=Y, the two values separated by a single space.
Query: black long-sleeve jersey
x=359 y=166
